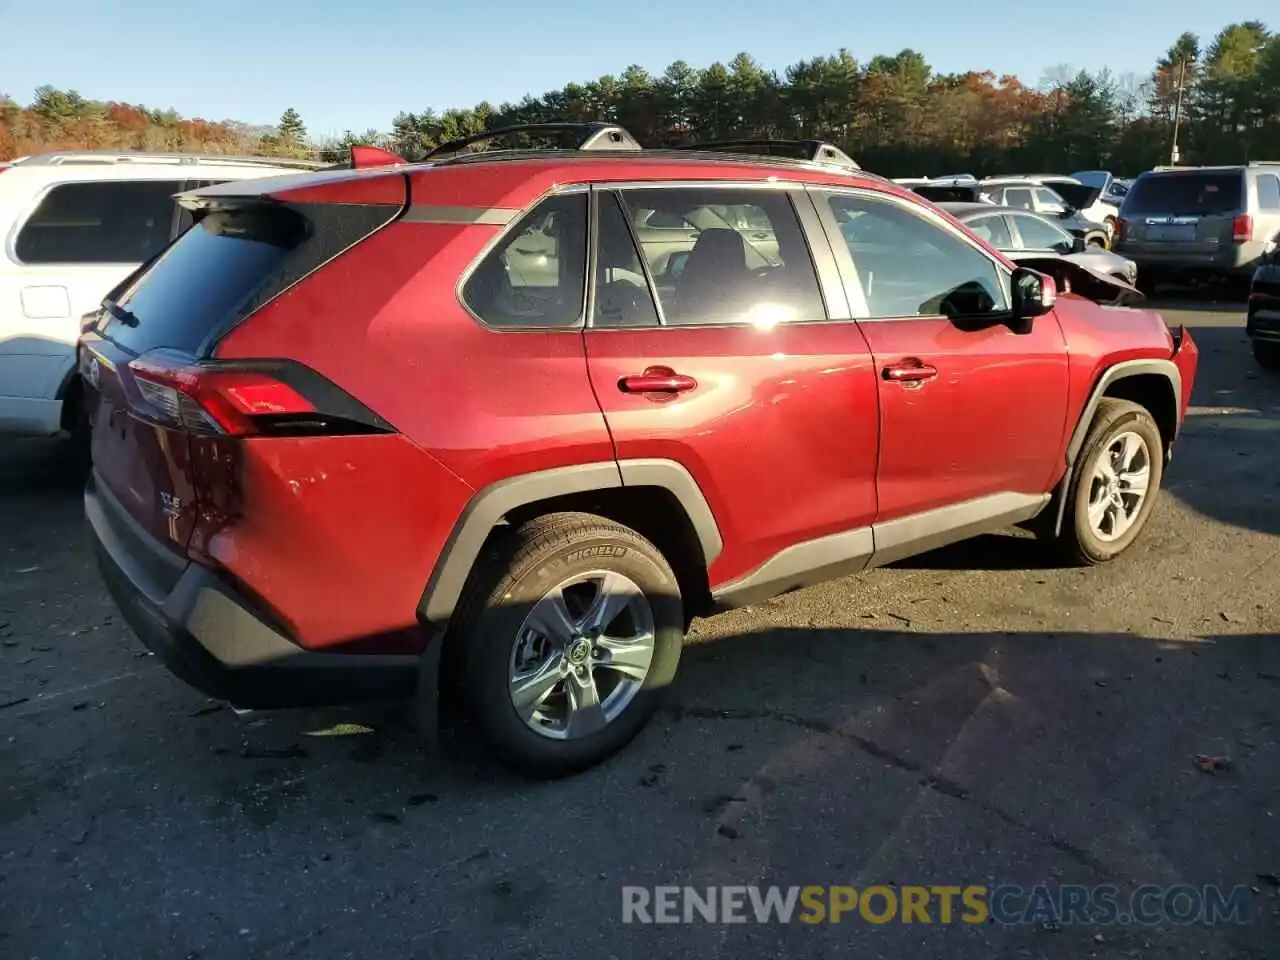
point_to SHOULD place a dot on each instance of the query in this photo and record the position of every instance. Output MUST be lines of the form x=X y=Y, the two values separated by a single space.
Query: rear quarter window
x=106 y=221
x=1187 y=194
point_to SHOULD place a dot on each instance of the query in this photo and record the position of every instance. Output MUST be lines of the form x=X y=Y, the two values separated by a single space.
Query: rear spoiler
x=363 y=157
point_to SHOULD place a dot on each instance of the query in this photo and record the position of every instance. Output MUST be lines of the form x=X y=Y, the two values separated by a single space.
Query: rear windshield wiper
x=127 y=317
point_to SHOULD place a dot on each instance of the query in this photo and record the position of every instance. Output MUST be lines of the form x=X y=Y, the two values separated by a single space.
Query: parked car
x=496 y=426
x=1053 y=195
x=1197 y=223
x=1262 y=320
x=1093 y=235
x=1113 y=188
x=75 y=224
x=1021 y=234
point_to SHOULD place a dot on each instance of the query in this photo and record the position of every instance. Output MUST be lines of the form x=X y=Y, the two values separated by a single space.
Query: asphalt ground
x=968 y=717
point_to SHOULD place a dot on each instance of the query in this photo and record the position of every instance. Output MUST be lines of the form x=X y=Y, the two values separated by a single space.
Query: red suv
x=522 y=414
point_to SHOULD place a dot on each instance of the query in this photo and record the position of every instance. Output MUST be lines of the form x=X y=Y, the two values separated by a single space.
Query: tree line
x=894 y=114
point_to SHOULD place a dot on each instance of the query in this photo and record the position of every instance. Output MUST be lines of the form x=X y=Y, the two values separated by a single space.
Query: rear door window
x=744 y=260
x=1187 y=194
x=106 y=221
x=1038 y=234
x=992 y=229
x=208 y=273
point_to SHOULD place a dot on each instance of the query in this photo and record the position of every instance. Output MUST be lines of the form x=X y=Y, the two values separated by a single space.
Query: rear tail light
x=1242 y=228
x=1121 y=227
x=243 y=400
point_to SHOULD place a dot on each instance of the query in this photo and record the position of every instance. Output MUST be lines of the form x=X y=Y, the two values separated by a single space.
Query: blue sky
x=345 y=64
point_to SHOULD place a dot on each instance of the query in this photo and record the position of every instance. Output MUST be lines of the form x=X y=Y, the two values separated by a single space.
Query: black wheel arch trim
x=1120 y=371
x=490 y=504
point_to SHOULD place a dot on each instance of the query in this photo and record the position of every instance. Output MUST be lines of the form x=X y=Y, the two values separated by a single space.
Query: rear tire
x=1267 y=354
x=585 y=688
x=1114 y=484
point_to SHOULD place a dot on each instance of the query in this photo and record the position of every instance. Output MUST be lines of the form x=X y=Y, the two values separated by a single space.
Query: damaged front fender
x=1072 y=277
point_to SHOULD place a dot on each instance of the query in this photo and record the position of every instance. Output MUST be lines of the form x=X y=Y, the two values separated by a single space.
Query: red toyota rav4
x=521 y=414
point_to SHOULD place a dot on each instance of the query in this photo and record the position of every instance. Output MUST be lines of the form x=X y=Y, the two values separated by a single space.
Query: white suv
x=75 y=224
x=1053 y=195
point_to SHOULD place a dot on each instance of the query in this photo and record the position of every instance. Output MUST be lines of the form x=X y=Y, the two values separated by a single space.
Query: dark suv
x=1185 y=223
x=496 y=426
x=1262 y=320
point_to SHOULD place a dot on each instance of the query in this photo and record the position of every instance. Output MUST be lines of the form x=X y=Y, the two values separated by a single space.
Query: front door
x=971 y=414
x=732 y=353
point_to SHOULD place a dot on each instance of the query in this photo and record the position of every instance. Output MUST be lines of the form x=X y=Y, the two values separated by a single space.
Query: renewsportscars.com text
x=937 y=904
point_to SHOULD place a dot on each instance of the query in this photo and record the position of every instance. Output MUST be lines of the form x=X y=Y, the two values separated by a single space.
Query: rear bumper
x=1235 y=260
x=210 y=636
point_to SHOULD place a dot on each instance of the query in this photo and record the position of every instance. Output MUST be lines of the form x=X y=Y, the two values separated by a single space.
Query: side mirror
x=1079 y=245
x=1033 y=295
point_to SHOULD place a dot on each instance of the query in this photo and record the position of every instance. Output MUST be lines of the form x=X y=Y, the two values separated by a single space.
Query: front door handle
x=657 y=380
x=910 y=371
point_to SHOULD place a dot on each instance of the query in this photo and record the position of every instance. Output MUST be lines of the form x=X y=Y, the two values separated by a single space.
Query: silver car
x=1200 y=222
x=1021 y=234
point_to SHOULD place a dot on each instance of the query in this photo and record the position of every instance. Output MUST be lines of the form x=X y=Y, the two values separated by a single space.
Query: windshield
x=1186 y=193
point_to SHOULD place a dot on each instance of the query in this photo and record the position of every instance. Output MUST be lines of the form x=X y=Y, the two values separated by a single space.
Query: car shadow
x=1017 y=755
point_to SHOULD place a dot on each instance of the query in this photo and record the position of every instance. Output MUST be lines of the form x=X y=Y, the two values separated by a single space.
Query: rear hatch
x=169 y=421
x=1185 y=212
x=142 y=450
x=1079 y=195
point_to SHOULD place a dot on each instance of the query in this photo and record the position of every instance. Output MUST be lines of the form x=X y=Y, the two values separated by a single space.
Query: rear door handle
x=657 y=380
x=910 y=371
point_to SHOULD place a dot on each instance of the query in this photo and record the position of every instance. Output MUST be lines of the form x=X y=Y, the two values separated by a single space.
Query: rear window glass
x=107 y=221
x=1186 y=194
x=203 y=277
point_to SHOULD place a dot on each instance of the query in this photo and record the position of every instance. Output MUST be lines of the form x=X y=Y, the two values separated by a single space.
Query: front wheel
x=570 y=635
x=1114 y=485
x=1267 y=354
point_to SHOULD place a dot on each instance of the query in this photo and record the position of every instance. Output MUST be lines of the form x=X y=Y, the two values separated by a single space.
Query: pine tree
x=292 y=130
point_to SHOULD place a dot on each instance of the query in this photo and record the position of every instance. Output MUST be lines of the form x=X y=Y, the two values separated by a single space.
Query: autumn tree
x=892 y=112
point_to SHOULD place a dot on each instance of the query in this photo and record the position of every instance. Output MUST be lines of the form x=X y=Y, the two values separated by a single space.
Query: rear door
x=740 y=362
x=78 y=241
x=145 y=461
x=1183 y=213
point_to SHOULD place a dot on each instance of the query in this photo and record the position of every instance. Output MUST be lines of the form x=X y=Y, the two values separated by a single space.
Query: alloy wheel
x=581 y=655
x=1118 y=486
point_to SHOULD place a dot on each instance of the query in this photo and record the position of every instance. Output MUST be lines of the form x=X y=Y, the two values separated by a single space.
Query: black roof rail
x=591 y=136
x=815 y=151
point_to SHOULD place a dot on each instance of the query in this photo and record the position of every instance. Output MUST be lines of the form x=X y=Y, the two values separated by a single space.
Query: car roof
x=1191 y=171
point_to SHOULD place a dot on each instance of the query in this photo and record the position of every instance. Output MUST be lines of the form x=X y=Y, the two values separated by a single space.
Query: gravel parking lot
x=967 y=717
